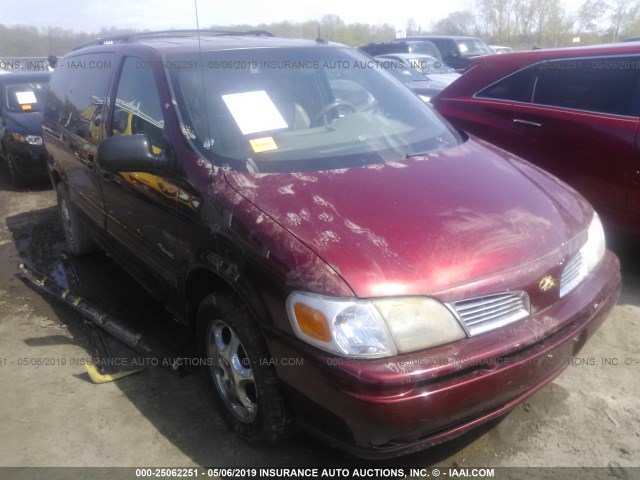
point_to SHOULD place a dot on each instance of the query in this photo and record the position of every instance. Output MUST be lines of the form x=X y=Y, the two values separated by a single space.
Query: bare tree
x=620 y=10
x=591 y=15
x=631 y=24
x=497 y=15
x=457 y=23
x=412 y=27
x=22 y=41
x=524 y=11
x=559 y=25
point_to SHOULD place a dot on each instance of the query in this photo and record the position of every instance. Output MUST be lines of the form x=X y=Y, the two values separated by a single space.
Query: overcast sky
x=92 y=15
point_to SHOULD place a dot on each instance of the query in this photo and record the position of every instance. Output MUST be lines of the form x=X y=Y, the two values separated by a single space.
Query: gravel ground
x=53 y=415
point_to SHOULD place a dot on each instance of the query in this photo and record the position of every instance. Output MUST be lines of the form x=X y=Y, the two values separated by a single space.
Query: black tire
x=16 y=179
x=221 y=317
x=77 y=238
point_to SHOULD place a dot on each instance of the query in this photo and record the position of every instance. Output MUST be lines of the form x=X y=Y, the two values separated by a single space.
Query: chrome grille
x=481 y=314
x=574 y=272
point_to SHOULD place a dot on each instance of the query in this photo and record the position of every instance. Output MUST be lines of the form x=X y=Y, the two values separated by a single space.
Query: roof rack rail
x=257 y=33
x=131 y=37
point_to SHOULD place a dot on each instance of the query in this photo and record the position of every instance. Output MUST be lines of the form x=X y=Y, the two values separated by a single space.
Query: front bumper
x=29 y=160
x=394 y=406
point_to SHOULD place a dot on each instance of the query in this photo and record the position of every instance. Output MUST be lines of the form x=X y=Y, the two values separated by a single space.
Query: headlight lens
x=425 y=98
x=587 y=258
x=344 y=327
x=593 y=250
x=34 y=139
x=30 y=139
x=371 y=329
x=419 y=322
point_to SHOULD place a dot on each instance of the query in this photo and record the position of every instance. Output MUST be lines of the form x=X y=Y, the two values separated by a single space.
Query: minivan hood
x=27 y=122
x=424 y=224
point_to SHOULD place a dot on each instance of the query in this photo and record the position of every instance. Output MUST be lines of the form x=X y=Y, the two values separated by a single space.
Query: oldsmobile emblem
x=547 y=283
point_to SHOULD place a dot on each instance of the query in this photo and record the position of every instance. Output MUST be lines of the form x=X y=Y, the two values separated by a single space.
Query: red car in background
x=571 y=111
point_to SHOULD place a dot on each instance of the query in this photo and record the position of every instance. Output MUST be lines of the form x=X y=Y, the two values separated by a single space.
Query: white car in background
x=426 y=65
x=500 y=49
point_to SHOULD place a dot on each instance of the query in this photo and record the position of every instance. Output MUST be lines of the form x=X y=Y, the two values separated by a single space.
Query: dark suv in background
x=456 y=51
x=345 y=259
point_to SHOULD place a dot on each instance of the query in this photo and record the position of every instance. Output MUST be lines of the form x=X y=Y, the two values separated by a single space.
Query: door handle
x=526 y=123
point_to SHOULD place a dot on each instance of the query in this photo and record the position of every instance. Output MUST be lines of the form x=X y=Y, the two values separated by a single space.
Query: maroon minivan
x=573 y=111
x=347 y=261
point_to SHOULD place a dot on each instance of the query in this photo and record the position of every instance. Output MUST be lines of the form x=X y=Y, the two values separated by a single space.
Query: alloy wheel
x=232 y=372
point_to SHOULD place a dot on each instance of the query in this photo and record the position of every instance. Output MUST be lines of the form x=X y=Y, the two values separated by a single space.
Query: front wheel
x=77 y=238
x=239 y=365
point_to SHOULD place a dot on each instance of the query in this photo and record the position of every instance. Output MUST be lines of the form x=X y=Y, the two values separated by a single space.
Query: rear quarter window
x=77 y=93
x=517 y=87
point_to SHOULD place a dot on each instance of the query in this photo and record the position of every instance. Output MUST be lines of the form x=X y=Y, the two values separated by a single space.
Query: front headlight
x=417 y=323
x=425 y=98
x=34 y=139
x=595 y=246
x=587 y=258
x=371 y=329
x=30 y=139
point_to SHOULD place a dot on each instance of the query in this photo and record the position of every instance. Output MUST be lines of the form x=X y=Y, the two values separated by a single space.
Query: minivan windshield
x=296 y=109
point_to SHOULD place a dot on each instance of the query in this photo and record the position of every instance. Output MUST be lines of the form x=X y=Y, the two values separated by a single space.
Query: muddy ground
x=53 y=415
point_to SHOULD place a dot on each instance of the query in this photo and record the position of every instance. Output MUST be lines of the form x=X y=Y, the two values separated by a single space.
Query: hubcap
x=232 y=372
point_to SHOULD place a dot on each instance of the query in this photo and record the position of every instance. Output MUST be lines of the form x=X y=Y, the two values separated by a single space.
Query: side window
x=84 y=105
x=605 y=85
x=57 y=95
x=426 y=48
x=517 y=87
x=447 y=48
x=138 y=109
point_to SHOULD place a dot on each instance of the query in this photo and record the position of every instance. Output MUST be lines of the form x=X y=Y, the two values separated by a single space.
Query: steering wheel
x=322 y=117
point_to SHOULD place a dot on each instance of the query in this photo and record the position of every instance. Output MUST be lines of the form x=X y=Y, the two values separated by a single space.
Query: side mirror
x=131 y=153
